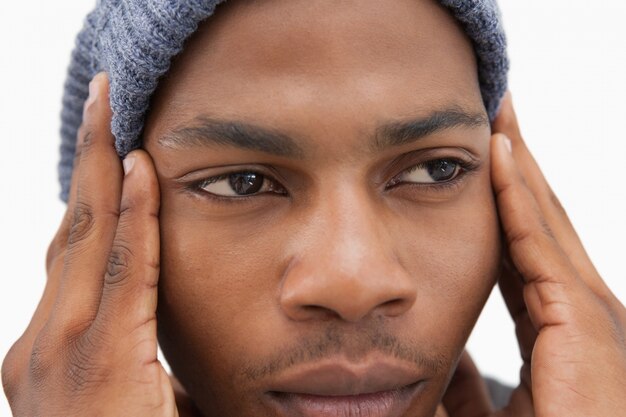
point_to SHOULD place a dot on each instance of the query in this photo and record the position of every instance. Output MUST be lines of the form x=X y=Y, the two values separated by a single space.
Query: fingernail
x=93 y=88
x=128 y=163
x=93 y=94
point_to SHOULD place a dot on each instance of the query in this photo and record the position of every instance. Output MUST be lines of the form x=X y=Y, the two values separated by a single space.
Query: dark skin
x=341 y=260
x=348 y=242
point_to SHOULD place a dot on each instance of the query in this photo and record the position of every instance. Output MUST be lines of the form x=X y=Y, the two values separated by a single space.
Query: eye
x=240 y=184
x=431 y=172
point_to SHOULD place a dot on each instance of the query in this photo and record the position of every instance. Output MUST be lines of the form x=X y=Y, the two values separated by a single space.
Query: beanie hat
x=134 y=41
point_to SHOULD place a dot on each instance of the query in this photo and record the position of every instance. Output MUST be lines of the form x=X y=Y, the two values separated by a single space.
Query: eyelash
x=465 y=168
x=197 y=187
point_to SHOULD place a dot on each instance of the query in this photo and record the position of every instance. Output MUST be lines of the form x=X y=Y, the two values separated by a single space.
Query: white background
x=568 y=79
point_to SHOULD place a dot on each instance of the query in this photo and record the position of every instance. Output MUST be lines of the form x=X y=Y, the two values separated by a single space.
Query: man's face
x=328 y=226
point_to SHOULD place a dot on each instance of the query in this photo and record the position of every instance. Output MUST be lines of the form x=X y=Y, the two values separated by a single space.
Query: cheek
x=453 y=250
x=215 y=277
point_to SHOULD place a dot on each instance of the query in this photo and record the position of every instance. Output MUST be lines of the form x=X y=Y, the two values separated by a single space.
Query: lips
x=380 y=387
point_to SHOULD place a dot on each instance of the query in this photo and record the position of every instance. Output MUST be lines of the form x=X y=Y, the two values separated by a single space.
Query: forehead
x=323 y=62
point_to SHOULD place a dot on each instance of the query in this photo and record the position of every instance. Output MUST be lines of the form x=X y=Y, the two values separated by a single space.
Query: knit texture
x=134 y=41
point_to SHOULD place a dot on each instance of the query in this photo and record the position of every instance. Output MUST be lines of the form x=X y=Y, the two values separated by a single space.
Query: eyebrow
x=208 y=131
x=402 y=132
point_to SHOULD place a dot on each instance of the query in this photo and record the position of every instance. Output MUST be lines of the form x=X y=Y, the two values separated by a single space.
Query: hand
x=91 y=347
x=571 y=329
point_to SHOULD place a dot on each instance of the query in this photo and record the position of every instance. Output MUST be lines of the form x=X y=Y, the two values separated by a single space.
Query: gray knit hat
x=134 y=41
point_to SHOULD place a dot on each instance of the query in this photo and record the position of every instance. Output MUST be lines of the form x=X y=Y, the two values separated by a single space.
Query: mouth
x=382 y=388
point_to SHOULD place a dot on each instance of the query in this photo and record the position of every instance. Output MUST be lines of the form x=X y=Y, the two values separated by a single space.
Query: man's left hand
x=570 y=327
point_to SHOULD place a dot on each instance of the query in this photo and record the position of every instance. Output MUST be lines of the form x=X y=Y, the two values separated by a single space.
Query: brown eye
x=240 y=184
x=442 y=169
x=438 y=170
x=245 y=183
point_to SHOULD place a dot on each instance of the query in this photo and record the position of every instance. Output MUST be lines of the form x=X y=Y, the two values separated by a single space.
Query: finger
x=94 y=214
x=552 y=282
x=21 y=350
x=54 y=263
x=184 y=404
x=512 y=288
x=467 y=395
x=549 y=204
x=58 y=247
x=576 y=328
x=167 y=394
x=129 y=295
x=511 y=285
x=520 y=404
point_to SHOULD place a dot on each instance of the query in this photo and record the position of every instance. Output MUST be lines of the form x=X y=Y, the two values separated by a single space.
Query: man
x=320 y=198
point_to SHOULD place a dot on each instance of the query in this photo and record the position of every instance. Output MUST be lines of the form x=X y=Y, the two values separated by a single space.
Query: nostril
x=392 y=303
x=319 y=312
x=394 y=307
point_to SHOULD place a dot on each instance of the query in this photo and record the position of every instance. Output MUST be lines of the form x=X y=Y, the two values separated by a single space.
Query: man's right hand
x=91 y=346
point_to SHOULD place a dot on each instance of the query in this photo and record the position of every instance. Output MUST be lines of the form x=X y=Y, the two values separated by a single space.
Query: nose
x=345 y=268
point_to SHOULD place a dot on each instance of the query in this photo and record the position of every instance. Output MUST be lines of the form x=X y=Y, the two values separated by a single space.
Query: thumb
x=467 y=395
x=186 y=407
